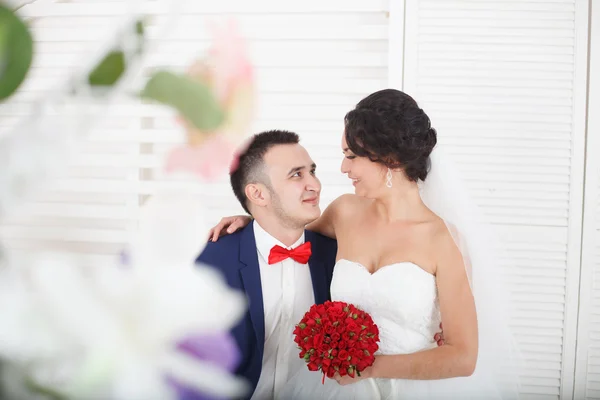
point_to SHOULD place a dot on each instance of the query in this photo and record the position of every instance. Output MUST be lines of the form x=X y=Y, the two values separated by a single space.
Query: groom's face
x=295 y=188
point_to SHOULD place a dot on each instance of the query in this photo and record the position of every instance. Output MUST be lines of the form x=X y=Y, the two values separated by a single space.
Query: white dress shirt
x=287 y=294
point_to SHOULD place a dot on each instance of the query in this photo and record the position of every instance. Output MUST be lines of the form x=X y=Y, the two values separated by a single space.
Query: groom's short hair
x=250 y=168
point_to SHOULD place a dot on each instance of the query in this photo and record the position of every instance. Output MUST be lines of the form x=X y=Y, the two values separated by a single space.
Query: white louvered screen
x=587 y=372
x=314 y=61
x=87 y=211
x=504 y=84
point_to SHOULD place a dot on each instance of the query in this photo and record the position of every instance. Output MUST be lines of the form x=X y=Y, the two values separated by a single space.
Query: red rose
x=317 y=340
x=351 y=371
x=362 y=365
x=312 y=366
x=345 y=365
x=343 y=355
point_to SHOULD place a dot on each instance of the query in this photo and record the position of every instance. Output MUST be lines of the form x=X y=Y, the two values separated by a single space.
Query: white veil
x=445 y=194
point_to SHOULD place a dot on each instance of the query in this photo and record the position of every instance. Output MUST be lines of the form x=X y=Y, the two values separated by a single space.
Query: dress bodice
x=401 y=298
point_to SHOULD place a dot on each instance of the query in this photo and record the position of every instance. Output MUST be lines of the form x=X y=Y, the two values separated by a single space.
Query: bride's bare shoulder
x=349 y=203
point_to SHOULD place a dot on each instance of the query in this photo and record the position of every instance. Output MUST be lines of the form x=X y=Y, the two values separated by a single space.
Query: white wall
x=505 y=84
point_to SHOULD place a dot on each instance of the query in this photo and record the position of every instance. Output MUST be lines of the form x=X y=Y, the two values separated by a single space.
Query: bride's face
x=367 y=176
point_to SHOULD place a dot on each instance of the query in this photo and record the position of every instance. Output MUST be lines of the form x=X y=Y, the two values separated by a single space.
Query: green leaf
x=50 y=394
x=194 y=100
x=109 y=70
x=16 y=52
x=139 y=27
x=140 y=31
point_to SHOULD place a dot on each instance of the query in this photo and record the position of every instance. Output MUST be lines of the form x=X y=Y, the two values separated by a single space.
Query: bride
x=412 y=253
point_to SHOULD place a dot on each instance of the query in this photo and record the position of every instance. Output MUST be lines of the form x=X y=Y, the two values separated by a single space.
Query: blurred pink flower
x=206 y=161
x=228 y=71
x=229 y=61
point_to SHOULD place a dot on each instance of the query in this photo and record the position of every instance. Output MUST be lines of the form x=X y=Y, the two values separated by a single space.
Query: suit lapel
x=250 y=274
x=318 y=272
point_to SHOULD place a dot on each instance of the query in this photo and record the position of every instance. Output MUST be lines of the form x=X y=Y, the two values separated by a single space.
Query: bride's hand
x=439 y=337
x=228 y=225
x=348 y=380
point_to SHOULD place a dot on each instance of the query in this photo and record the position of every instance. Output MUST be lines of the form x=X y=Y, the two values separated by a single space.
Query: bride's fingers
x=234 y=226
x=219 y=228
x=336 y=377
x=214 y=234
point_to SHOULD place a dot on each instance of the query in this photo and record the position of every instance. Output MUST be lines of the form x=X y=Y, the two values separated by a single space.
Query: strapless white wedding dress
x=402 y=299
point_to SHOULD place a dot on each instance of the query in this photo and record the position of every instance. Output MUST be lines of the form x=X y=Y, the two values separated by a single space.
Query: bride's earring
x=388 y=181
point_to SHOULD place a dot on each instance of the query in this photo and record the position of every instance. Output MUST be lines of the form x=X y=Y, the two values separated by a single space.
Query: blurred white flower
x=172 y=230
x=111 y=331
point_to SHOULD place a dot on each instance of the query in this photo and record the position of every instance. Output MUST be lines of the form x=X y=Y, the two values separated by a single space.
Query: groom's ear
x=257 y=194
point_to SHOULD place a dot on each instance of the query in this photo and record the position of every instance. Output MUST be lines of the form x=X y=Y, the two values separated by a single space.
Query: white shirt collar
x=265 y=242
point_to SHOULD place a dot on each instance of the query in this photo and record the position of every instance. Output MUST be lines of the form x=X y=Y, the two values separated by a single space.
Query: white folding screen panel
x=87 y=211
x=505 y=84
x=314 y=61
x=587 y=373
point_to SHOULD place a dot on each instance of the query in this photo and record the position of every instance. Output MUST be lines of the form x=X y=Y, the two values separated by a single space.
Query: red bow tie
x=300 y=254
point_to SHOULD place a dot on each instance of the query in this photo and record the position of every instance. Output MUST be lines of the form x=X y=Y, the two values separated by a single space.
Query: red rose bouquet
x=337 y=337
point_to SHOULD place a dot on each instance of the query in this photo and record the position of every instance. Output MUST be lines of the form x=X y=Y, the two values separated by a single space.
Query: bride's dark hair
x=388 y=127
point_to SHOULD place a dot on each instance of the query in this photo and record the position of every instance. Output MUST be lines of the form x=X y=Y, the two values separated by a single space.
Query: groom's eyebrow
x=298 y=169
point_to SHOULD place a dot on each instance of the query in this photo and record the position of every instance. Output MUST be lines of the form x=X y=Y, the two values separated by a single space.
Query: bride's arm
x=458 y=356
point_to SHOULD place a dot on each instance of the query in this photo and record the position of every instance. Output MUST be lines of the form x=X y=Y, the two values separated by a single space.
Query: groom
x=282 y=268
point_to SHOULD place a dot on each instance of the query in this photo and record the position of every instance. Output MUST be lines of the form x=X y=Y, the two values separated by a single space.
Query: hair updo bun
x=388 y=127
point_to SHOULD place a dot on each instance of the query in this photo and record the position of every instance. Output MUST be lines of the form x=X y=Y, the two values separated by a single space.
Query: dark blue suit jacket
x=236 y=257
